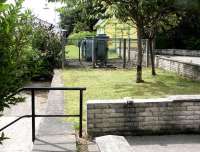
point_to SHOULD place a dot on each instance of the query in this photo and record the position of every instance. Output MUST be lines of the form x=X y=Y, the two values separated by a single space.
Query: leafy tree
x=187 y=34
x=81 y=15
x=142 y=14
x=164 y=16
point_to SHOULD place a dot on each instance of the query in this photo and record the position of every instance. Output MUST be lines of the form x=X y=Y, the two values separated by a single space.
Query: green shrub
x=15 y=42
x=25 y=52
x=49 y=48
x=74 y=38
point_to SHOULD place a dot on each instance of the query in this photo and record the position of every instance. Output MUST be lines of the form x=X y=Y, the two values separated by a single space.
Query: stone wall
x=178 y=52
x=175 y=114
x=185 y=69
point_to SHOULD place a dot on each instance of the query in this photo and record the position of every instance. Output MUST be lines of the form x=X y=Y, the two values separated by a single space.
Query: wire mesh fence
x=103 y=51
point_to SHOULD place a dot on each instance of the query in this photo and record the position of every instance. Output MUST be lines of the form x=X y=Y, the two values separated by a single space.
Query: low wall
x=175 y=114
x=185 y=69
x=178 y=52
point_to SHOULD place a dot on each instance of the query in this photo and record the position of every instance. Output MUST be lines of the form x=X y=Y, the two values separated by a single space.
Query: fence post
x=79 y=50
x=33 y=113
x=93 y=53
x=120 y=48
x=129 y=49
x=81 y=114
x=147 y=53
x=124 y=54
x=64 y=33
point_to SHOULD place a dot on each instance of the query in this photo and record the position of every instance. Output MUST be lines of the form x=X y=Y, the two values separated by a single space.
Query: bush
x=25 y=52
x=49 y=49
x=15 y=42
x=74 y=38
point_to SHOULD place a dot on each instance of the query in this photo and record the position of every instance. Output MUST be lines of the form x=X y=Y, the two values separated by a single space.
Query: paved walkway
x=54 y=134
x=20 y=132
x=171 y=143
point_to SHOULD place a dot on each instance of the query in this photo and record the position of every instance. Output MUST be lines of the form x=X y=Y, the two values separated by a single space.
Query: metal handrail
x=33 y=115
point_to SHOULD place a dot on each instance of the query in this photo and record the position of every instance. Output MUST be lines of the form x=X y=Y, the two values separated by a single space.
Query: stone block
x=145 y=114
x=165 y=118
x=152 y=109
x=183 y=113
x=150 y=119
x=193 y=108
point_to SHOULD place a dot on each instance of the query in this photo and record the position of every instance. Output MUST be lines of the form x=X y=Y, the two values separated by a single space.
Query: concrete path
x=171 y=143
x=54 y=134
x=20 y=137
x=20 y=133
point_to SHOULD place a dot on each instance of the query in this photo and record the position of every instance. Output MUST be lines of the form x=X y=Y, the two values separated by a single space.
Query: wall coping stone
x=188 y=98
x=175 y=98
x=167 y=57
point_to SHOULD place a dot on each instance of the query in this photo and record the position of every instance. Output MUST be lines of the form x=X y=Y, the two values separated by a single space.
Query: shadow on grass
x=160 y=86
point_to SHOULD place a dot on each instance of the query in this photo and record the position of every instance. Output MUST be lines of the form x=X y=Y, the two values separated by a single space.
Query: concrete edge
x=178 y=61
x=175 y=98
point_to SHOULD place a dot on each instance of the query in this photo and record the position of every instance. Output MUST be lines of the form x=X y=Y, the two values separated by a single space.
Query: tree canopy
x=146 y=15
x=78 y=15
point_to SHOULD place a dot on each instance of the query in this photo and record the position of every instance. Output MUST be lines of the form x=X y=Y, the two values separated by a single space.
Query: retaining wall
x=185 y=69
x=175 y=114
x=178 y=52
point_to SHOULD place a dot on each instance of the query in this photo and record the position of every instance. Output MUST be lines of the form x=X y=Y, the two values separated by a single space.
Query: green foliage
x=75 y=37
x=148 y=16
x=15 y=36
x=81 y=15
x=186 y=35
x=25 y=52
x=49 y=49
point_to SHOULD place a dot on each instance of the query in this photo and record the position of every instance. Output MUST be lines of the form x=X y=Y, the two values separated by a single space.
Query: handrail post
x=81 y=114
x=33 y=113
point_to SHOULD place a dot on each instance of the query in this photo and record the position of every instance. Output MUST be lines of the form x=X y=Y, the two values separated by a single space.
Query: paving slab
x=111 y=143
x=170 y=143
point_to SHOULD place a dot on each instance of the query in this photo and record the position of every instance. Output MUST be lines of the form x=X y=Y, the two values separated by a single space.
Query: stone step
x=112 y=143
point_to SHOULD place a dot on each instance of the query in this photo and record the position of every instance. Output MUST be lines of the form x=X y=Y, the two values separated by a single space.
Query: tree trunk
x=139 y=56
x=152 y=57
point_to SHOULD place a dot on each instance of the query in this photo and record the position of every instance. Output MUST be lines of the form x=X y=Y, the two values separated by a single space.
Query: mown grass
x=72 y=52
x=117 y=84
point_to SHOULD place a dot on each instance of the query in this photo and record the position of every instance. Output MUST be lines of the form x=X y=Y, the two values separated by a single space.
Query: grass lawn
x=117 y=84
x=72 y=52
